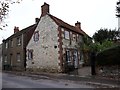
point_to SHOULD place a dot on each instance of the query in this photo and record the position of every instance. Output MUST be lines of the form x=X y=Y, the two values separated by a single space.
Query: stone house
x=0 y=56
x=55 y=45
x=14 y=48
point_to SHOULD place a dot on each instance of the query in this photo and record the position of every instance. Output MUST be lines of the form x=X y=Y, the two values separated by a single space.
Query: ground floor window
x=72 y=57
x=68 y=56
x=18 y=57
x=30 y=54
x=5 y=60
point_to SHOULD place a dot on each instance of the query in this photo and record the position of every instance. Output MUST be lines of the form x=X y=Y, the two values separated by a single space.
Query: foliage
x=103 y=39
x=106 y=44
x=107 y=53
x=105 y=34
x=109 y=56
x=100 y=35
x=118 y=9
x=105 y=47
x=84 y=47
x=86 y=42
x=97 y=47
x=4 y=10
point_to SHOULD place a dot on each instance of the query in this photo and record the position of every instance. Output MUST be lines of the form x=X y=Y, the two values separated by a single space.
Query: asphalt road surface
x=14 y=81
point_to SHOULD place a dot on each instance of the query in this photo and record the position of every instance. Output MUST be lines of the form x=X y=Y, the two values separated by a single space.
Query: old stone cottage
x=14 y=49
x=55 y=45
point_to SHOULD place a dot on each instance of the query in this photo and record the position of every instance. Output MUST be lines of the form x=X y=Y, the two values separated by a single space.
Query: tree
x=4 y=10
x=118 y=9
x=100 y=35
x=85 y=49
x=105 y=34
x=104 y=39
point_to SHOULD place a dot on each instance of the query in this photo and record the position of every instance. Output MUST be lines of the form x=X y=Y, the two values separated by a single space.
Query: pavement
x=92 y=80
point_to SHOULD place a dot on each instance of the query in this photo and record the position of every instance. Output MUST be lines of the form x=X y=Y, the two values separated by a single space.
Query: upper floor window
x=74 y=37
x=11 y=43
x=18 y=41
x=6 y=45
x=36 y=36
x=18 y=57
x=67 y=34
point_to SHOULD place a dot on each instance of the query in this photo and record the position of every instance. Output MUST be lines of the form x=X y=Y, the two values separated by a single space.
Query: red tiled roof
x=66 y=25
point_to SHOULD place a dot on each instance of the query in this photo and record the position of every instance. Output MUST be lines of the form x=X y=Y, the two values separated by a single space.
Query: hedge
x=109 y=56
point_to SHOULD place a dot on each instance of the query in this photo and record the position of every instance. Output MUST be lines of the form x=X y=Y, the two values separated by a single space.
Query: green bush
x=109 y=56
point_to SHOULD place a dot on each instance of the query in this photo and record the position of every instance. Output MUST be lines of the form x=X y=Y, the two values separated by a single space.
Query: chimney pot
x=37 y=20
x=16 y=29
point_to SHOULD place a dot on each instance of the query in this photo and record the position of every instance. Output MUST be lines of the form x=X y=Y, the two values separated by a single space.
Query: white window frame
x=11 y=43
x=19 y=41
x=36 y=36
x=68 y=57
x=6 y=45
x=66 y=34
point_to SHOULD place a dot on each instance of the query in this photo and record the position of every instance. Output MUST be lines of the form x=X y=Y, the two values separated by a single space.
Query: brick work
x=44 y=9
x=60 y=57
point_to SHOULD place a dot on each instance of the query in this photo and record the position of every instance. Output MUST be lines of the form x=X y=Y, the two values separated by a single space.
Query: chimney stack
x=44 y=9
x=78 y=25
x=37 y=20
x=16 y=29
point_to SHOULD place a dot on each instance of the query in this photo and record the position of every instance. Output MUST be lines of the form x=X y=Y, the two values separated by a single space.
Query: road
x=14 y=81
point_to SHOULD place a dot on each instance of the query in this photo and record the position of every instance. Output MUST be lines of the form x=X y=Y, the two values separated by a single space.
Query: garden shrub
x=109 y=56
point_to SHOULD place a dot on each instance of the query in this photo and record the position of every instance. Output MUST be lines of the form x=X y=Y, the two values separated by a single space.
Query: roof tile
x=66 y=25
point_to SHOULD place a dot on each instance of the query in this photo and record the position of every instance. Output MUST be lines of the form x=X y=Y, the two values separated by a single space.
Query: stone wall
x=45 y=50
x=73 y=44
x=110 y=72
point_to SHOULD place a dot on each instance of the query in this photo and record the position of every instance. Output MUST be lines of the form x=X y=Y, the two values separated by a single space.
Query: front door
x=75 y=58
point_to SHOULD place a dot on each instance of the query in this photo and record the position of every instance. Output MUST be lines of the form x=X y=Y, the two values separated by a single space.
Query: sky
x=93 y=14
